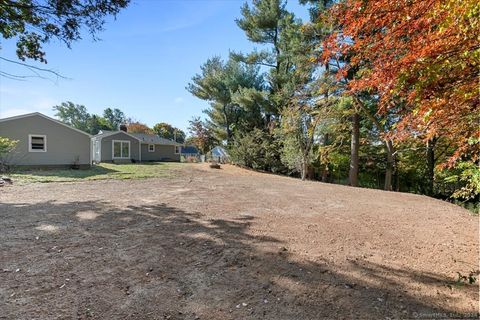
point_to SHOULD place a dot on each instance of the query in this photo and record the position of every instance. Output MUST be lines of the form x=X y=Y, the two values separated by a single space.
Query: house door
x=96 y=151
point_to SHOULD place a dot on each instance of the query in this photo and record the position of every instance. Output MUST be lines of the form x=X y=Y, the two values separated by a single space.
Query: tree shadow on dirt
x=92 y=260
x=64 y=172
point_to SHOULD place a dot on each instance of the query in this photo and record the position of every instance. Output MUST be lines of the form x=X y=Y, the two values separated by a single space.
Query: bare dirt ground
x=231 y=244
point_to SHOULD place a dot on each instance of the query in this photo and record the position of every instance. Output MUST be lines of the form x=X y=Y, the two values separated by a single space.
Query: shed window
x=121 y=149
x=37 y=143
x=151 y=148
x=177 y=149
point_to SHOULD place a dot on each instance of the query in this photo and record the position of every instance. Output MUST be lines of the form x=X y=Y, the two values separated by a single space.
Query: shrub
x=6 y=146
x=257 y=150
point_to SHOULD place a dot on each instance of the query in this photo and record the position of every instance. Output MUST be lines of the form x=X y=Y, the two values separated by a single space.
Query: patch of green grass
x=98 y=172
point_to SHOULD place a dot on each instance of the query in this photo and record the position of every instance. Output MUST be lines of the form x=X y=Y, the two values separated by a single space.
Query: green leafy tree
x=286 y=55
x=164 y=130
x=297 y=132
x=251 y=105
x=114 y=117
x=467 y=175
x=97 y=123
x=217 y=83
x=268 y=23
x=75 y=115
x=168 y=131
x=33 y=23
x=179 y=135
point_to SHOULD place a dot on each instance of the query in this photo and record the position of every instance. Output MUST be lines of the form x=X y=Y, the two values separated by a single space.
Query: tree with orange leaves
x=422 y=60
x=138 y=127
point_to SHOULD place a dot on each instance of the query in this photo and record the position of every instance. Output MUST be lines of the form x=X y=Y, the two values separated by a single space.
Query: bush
x=463 y=180
x=6 y=146
x=460 y=184
x=258 y=150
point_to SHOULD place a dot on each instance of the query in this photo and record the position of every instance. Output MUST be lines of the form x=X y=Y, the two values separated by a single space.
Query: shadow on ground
x=65 y=173
x=90 y=260
x=101 y=171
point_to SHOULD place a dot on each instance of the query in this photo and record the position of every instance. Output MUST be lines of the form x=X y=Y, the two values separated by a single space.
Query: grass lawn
x=98 y=172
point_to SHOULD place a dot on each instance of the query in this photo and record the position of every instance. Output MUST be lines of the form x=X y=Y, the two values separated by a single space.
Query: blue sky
x=142 y=63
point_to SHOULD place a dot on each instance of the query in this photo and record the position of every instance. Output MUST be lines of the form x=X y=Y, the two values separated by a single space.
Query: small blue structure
x=189 y=151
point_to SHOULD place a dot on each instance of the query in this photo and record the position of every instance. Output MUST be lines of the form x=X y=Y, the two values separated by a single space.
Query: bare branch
x=36 y=70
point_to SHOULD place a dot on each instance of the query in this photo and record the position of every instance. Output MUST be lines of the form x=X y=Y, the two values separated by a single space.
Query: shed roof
x=219 y=151
x=189 y=150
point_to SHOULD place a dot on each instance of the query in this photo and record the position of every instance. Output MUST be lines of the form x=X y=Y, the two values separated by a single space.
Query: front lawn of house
x=97 y=172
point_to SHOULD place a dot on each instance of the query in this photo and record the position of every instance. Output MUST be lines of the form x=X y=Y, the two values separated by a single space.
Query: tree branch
x=33 y=69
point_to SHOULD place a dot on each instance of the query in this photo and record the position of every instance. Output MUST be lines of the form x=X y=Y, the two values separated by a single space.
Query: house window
x=120 y=149
x=37 y=143
x=177 y=149
x=151 y=148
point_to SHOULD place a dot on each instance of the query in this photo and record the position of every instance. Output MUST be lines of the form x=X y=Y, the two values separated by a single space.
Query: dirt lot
x=231 y=244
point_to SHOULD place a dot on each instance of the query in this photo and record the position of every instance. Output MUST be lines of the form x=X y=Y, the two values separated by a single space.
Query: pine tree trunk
x=227 y=125
x=390 y=165
x=430 y=166
x=353 y=174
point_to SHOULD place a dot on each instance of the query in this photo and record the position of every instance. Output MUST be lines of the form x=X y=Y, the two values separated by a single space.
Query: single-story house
x=47 y=142
x=43 y=141
x=121 y=146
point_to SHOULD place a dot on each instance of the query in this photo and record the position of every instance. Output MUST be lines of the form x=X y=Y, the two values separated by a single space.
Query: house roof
x=142 y=137
x=154 y=139
x=107 y=133
x=45 y=117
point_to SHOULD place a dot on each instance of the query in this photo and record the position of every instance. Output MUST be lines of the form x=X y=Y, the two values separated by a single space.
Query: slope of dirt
x=231 y=244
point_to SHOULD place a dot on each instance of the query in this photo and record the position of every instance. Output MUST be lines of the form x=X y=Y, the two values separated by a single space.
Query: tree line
x=376 y=94
x=77 y=116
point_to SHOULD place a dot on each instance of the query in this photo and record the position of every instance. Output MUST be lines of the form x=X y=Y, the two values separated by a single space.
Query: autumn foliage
x=420 y=57
x=138 y=127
